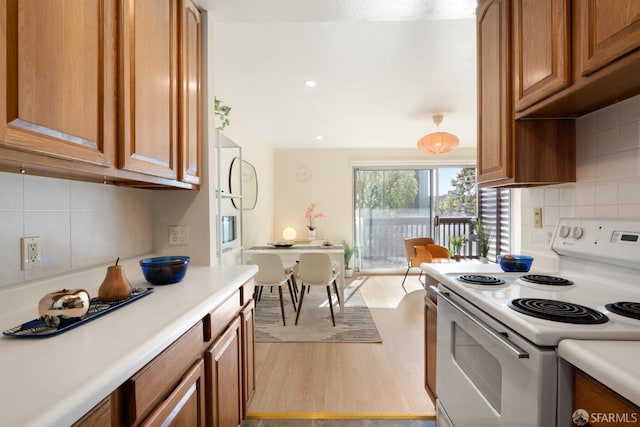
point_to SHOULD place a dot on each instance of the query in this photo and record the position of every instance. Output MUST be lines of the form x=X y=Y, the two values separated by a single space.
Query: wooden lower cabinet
x=248 y=355
x=204 y=378
x=223 y=363
x=604 y=406
x=185 y=406
x=430 y=334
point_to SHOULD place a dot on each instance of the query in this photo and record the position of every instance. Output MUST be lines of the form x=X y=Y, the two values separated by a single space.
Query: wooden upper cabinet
x=149 y=92
x=541 y=48
x=609 y=30
x=495 y=113
x=190 y=99
x=58 y=59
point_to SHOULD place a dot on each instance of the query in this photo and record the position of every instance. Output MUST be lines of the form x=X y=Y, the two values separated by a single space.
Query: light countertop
x=613 y=363
x=54 y=381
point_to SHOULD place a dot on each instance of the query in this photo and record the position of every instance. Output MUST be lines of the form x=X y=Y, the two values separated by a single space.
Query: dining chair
x=271 y=272
x=316 y=269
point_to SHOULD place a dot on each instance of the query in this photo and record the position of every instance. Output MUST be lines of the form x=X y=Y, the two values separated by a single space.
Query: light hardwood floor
x=346 y=380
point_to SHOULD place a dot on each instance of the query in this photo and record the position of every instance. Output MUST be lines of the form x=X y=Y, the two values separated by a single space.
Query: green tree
x=389 y=189
x=462 y=200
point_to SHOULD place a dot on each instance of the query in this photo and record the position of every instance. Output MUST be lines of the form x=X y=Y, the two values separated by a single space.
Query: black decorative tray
x=38 y=329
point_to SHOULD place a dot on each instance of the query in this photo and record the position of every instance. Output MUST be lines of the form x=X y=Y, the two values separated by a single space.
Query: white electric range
x=497 y=356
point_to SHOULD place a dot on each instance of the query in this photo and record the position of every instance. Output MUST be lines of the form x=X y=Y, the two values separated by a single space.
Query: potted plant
x=484 y=237
x=348 y=253
x=221 y=111
x=455 y=246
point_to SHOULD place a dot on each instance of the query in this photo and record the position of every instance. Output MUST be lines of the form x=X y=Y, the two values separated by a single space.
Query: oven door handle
x=488 y=329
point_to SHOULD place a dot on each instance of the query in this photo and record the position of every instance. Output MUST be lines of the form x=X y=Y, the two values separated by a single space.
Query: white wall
x=608 y=176
x=331 y=185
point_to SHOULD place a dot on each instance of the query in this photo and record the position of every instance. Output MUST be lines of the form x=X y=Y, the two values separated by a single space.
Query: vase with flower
x=312 y=214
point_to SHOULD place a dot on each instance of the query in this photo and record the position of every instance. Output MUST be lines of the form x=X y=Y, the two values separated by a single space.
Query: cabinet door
x=190 y=101
x=542 y=54
x=495 y=101
x=58 y=74
x=248 y=355
x=149 y=98
x=223 y=362
x=609 y=30
x=184 y=407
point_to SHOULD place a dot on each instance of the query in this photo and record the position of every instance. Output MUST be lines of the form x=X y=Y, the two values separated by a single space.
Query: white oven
x=498 y=332
x=487 y=374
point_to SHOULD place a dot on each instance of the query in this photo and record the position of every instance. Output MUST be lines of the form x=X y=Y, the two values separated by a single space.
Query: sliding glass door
x=392 y=204
x=389 y=206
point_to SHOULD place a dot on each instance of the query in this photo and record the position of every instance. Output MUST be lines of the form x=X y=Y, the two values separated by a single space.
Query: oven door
x=487 y=374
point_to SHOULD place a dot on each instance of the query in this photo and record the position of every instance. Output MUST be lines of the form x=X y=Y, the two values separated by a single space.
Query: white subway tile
x=630 y=109
x=586 y=146
x=619 y=165
x=46 y=194
x=11 y=191
x=587 y=169
x=630 y=136
x=586 y=124
x=585 y=211
x=567 y=196
x=607 y=193
x=607 y=141
x=566 y=212
x=550 y=216
x=88 y=196
x=607 y=118
x=551 y=196
x=629 y=191
x=606 y=211
x=629 y=212
x=10 y=233
x=537 y=197
x=585 y=193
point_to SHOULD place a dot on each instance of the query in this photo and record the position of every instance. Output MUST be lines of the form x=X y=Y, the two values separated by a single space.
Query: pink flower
x=313 y=214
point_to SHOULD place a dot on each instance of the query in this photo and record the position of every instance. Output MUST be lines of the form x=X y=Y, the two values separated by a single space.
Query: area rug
x=314 y=325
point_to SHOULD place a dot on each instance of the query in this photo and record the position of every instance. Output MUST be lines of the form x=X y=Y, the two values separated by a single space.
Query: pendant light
x=438 y=142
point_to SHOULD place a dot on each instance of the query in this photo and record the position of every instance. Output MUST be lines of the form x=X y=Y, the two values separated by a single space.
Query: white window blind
x=494 y=207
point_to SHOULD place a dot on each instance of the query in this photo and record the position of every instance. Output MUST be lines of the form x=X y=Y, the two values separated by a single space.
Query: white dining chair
x=316 y=269
x=271 y=272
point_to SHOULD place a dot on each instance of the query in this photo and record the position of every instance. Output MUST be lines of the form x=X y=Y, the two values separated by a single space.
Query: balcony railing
x=381 y=240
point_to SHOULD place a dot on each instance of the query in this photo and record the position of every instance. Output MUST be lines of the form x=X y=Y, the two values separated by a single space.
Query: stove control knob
x=564 y=231
x=576 y=232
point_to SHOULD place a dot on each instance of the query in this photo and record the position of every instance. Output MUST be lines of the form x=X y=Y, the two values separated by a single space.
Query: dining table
x=290 y=254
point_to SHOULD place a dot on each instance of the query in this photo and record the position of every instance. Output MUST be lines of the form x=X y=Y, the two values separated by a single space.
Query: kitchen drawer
x=152 y=383
x=99 y=416
x=220 y=317
x=246 y=292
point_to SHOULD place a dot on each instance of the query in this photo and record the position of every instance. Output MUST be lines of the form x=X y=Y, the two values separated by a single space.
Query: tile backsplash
x=608 y=175
x=80 y=224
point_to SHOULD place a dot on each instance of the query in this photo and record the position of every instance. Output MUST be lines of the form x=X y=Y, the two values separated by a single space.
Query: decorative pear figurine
x=115 y=286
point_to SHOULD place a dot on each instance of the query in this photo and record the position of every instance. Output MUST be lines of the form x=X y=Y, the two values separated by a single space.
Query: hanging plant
x=221 y=111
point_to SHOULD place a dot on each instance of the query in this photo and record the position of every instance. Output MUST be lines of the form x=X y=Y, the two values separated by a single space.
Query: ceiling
x=383 y=68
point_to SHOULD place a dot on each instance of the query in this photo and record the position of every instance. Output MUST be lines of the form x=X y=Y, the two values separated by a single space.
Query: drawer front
x=218 y=319
x=246 y=292
x=152 y=383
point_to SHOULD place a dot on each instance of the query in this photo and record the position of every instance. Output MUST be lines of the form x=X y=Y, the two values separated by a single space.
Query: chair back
x=410 y=244
x=270 y=269
x=315 y=269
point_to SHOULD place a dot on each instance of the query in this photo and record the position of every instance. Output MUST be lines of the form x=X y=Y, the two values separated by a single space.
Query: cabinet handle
x=488 y=329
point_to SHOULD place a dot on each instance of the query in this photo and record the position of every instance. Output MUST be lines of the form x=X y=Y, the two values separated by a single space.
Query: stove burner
x=558 y=311
x=541 y=279
x=479 y=279
x=625 y=308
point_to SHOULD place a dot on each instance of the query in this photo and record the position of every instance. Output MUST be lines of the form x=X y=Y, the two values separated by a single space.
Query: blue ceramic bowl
x=164 y=270
x=515 y=263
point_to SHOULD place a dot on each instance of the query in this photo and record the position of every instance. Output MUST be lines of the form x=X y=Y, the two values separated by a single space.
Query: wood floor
x=345 y=380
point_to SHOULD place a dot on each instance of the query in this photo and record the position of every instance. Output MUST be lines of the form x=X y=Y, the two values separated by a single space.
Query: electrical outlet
x=537 y=217
x=178 y=235
x=31 y=255
x=548 y=239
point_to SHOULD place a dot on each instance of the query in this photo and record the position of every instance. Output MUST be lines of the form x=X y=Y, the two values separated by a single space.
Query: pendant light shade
x=438 y=142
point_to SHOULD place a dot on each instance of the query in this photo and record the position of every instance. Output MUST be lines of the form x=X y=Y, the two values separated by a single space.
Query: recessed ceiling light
x=310 y=83
x=319 y=137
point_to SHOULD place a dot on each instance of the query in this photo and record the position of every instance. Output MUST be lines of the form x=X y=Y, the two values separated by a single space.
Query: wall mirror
x=243 y=170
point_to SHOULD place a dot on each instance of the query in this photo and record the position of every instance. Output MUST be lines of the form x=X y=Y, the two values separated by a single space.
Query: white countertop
x=613 y=363
x=54 y=381
x=436 y=269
